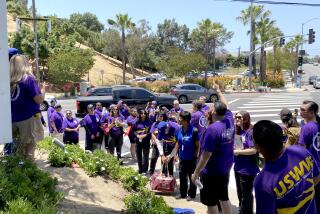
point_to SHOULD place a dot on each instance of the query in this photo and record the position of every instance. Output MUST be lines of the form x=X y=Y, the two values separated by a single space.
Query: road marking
x=276 y=106
x=269 y=101
x=262 y=103
x=264 y=115
x=264 y=110
x=232 y=101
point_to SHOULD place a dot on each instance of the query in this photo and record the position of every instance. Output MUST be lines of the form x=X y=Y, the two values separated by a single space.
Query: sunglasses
x=238 y=117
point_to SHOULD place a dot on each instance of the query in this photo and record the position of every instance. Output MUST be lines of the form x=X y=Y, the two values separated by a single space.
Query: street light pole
x=36 y=54
x=251 y=45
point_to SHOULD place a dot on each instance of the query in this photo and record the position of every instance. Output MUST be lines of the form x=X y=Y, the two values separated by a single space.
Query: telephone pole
x=36 y=54
x=251 y=44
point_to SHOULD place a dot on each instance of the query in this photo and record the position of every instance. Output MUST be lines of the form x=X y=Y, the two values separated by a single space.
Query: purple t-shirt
x=310 y=138
x=49 y=113
x=219 y=140
x=154 y=127
x=23 y=106
x=57 y=118
x=205 y=108
x=131 y=120
x=98 y=112
x=92 y=123
x=285 y=185
x=104 y=117
x=116 y=130
x=141 y=128
x=246 y=164
x=198 y=120
x=124 y=111
x=71 y=124
x=167 y=134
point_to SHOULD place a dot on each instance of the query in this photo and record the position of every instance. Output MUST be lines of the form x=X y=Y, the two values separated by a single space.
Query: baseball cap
x=285 y=112
x=57 y=106
x=12 y=52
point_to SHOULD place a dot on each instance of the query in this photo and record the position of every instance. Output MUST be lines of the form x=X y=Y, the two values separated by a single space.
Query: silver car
x=316 y=83
x=189 y=92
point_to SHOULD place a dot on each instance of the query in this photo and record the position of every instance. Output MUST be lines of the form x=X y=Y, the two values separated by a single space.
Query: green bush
x=131 y=180
x=20 y=178
x=57 y=157
x=22 y=206
x=145 y=202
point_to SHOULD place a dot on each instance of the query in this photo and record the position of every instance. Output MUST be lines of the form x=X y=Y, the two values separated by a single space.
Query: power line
x=275 y=2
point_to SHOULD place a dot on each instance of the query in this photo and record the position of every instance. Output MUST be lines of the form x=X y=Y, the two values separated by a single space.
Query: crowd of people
x=206 y=143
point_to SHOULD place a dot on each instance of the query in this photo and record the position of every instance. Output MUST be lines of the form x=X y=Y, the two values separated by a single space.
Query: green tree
x=122 y=22
x=178 y=63
x=245 y=18
x=207 y=37
x=171 y=34
x=274 y=62
x=112 y=43
x=87 y=20
x=69 y=67
x=292 y=52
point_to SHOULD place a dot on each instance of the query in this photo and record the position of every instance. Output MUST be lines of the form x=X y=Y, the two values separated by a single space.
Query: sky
x=288 y=18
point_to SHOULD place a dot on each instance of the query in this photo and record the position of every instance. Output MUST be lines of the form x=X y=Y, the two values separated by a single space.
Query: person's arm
x=39 y=97
x=160 y=147
x=222 y=98
x=250 y=151
x=204 y=158
x=173 y=152
x=195 y=137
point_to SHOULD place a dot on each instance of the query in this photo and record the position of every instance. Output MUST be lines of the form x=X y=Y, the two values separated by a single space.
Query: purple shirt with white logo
x=71 y=124
x=246 y=164
x=286 y=184
x=92 y=122
x=142 y=128
x=219 y=140
x=167 y=134
x=23 y=106
x=57 y=118
x=198 y=120
x=310 y=138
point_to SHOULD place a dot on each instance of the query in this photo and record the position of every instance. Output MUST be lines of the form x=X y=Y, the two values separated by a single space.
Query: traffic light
x=300 y=60
x=312 y=36
x=282 y=41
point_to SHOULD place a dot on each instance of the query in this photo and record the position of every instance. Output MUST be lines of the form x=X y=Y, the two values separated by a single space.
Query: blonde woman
x=26 y=98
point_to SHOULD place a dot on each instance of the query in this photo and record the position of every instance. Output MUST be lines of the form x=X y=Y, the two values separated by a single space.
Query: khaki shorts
x=28 y=131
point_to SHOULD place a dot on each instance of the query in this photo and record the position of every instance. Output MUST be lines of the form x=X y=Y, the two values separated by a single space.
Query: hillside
x=112 y=67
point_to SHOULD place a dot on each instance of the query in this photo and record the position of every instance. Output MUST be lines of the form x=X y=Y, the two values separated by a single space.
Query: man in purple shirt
x=49 y=113
x=216 y=157
x=56 y=122
x=204 y=108
x=91 y=123
x=198 y=118
x=175 y=111
x=287 y=182
x=310 y=135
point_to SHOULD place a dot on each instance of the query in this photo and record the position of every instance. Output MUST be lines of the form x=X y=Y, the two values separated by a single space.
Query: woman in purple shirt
x=71 y=129
x=115 y=124
x=26 y=98
x=56 y=122
x=245 y=161
x=141 y=130
x=131 y=120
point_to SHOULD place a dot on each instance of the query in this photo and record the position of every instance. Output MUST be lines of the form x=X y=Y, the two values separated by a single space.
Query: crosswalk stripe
x=264 y=110
x=259 y=104
x=264 y=115
x=275 y=106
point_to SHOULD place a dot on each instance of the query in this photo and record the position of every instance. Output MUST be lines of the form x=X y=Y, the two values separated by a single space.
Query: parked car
x=189 y=92
x=151 y=79
x=315 y=64
x=312 y=79
x=246 y=73
x=103 y=91
x=133 y=97
x=316 y=83
x=139 y=79
x=47 y=100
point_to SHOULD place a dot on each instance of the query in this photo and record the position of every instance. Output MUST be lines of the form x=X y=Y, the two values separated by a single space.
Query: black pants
x=186 y=169
x=154 y=158
x=244 y=190
x=317 y=197
x=106 y=141
x=168 y=167
x=89 y=143
x=142 y=153
x=115 y=142
x=70 y=141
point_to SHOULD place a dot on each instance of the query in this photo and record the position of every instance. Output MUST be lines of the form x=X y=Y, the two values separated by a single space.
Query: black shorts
x=215 y=189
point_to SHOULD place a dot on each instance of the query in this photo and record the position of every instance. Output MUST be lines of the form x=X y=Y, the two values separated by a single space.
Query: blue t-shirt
x=286 y=184
x=187 y=142
x=219 y=140
x=23 y=106
x=246 y=164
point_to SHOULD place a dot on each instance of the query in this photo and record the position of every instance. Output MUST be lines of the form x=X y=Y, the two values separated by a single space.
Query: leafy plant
x=131 y=180
x=23 y=206
x=145 y=201
x=57 y=157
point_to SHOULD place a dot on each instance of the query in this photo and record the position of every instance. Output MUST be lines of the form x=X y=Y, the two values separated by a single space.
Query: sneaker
x=144 y=174
x=189 y=198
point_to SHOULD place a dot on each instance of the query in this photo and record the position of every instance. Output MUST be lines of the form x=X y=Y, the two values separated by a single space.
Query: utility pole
x=239 y=49
x=251 y=45
x=36 y=54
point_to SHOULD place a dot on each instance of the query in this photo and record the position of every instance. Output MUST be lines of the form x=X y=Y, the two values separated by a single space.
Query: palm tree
x=264 y=26
x=294 y=45
x=274 y=33
x=245 y=18
x=207 y=37
x=123 y=22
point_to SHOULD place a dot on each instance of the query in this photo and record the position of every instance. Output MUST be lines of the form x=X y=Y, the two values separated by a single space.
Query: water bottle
x=198 y=183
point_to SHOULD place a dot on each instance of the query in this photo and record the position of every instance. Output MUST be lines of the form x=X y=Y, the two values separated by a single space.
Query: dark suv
x=103 y=91
x=189 y=92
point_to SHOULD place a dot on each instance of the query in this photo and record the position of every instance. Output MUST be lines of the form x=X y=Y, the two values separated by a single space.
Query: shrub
x=145 y=201
x=222 y=81
x=22 y=206
x=20 y=178
x=132 y=180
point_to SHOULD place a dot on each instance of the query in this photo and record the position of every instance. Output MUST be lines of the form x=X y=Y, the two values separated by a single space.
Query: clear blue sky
x=190 y=12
